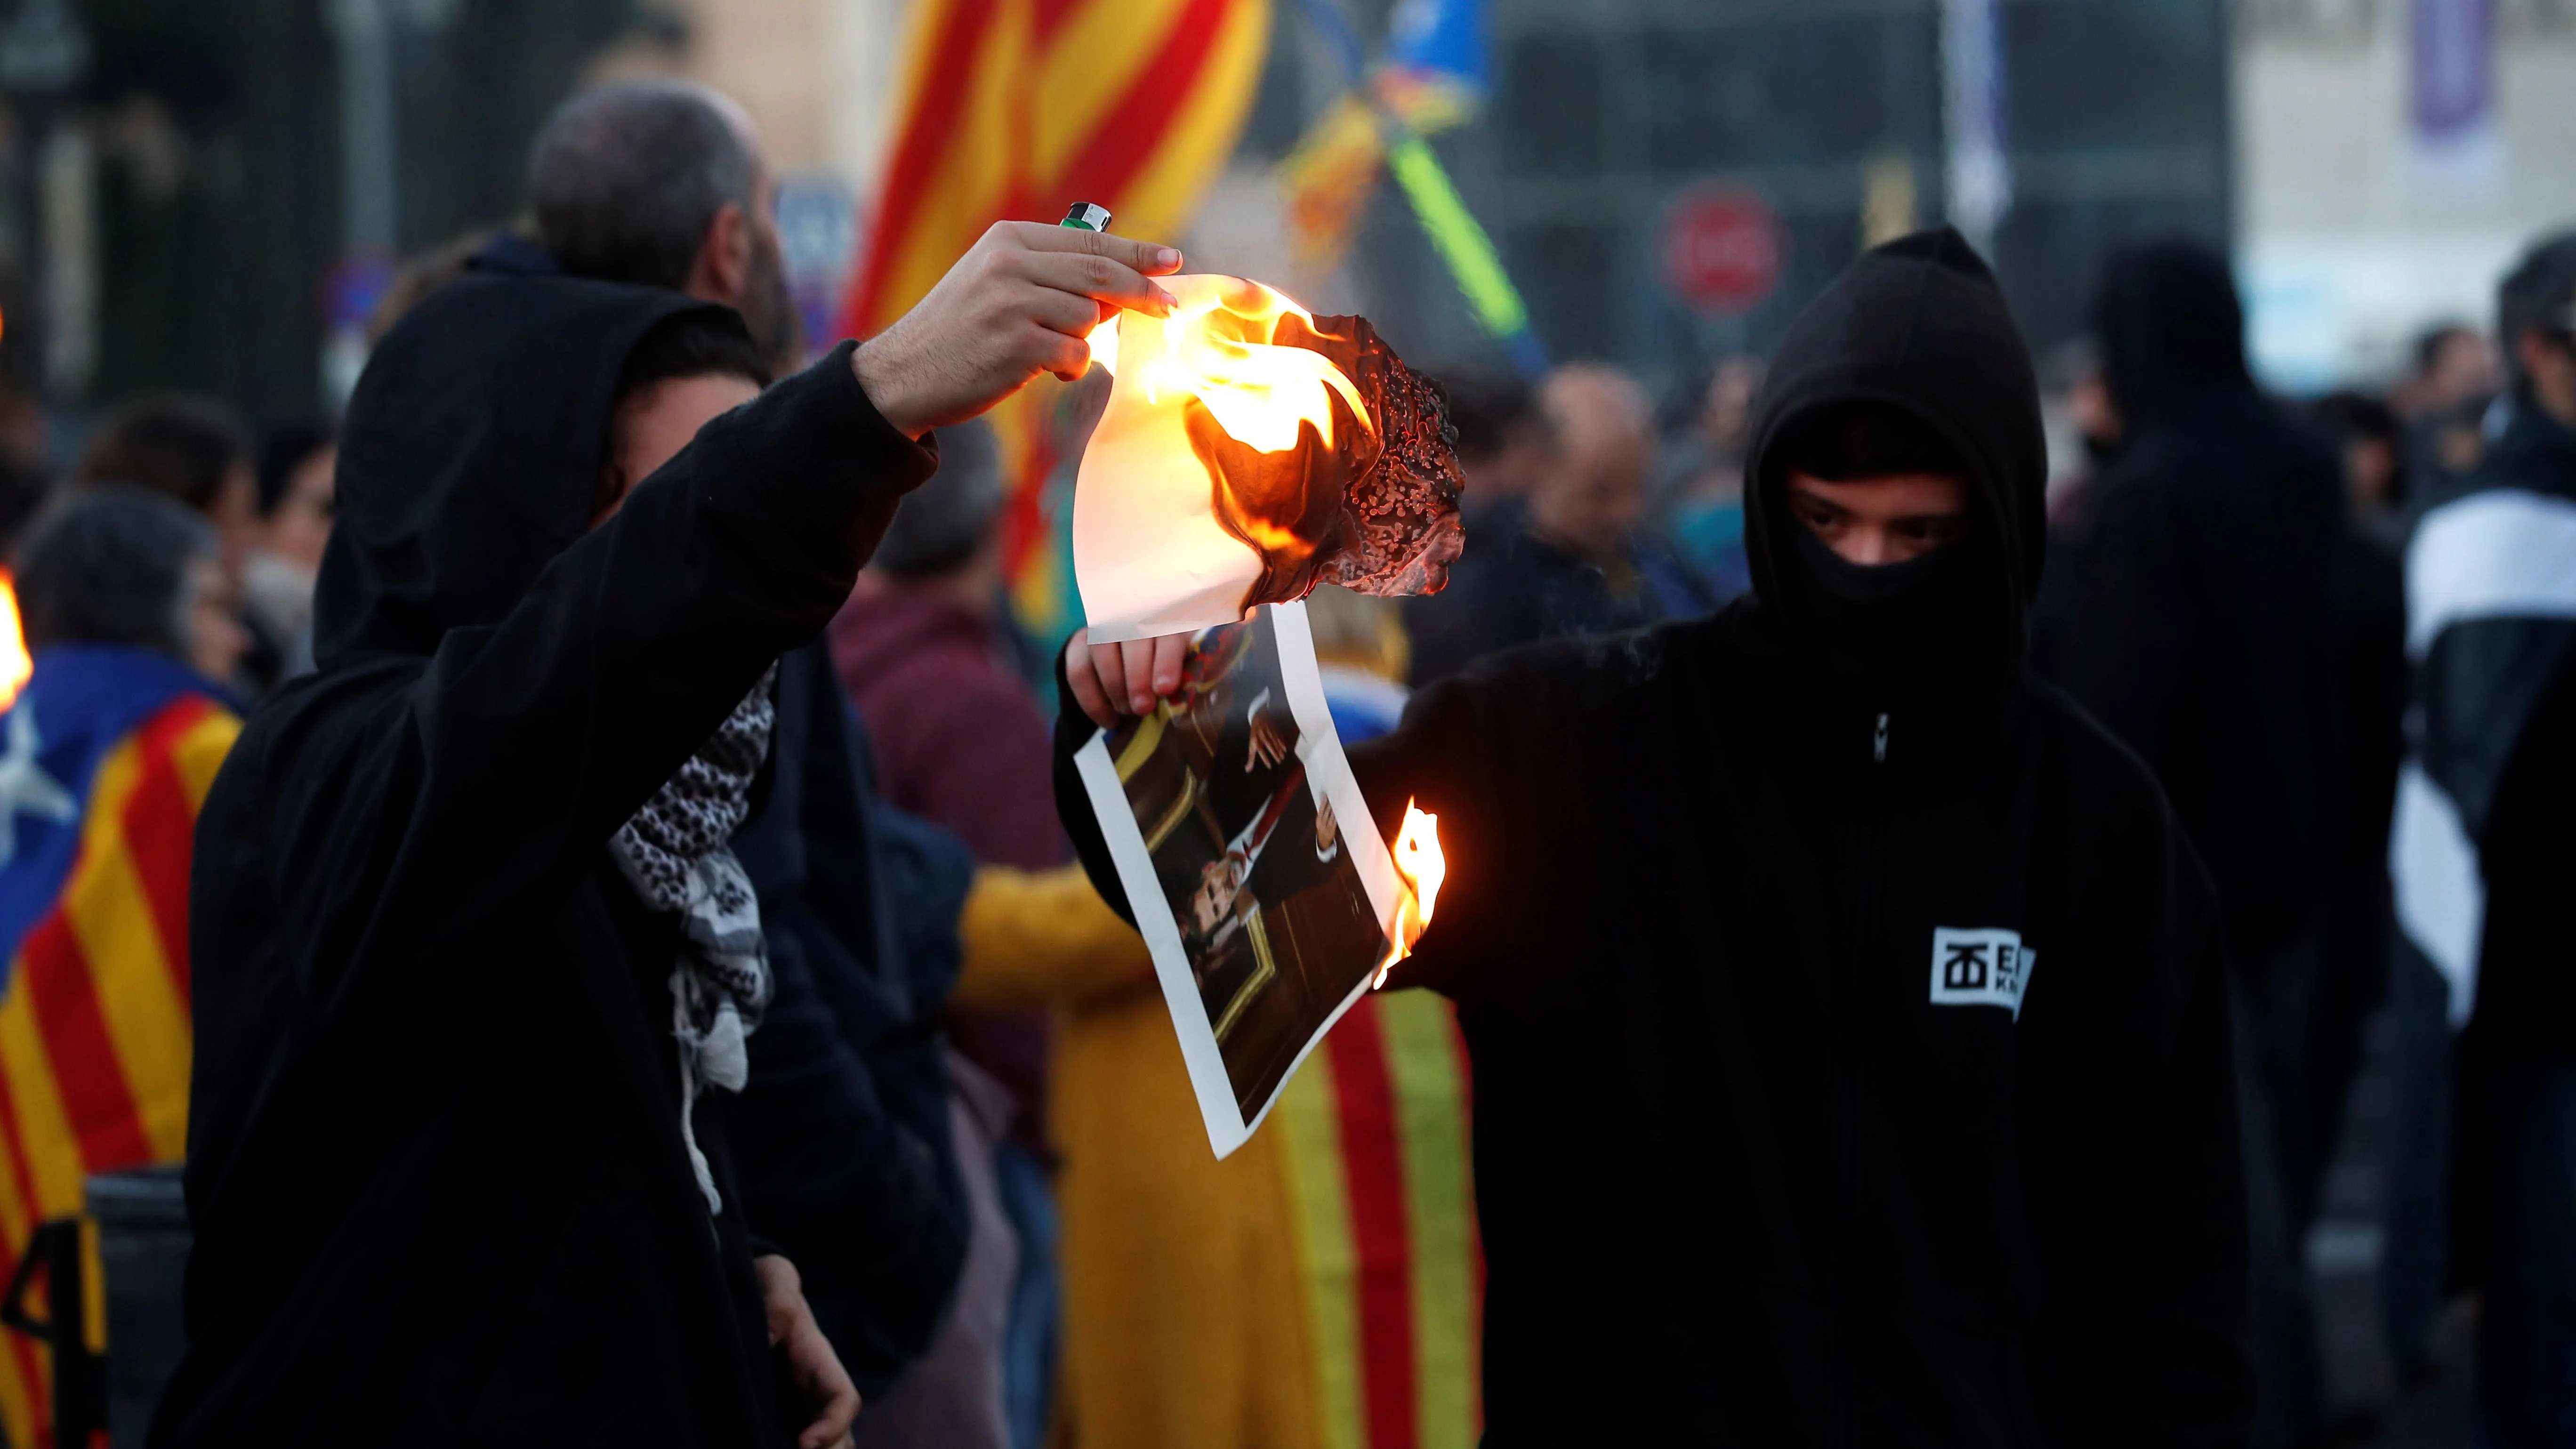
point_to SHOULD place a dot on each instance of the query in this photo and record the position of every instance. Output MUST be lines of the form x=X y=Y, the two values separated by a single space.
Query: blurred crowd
x=964 y=1115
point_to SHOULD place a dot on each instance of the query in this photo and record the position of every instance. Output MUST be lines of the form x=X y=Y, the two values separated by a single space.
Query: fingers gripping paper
x=1249 y=452
x=1248 y=856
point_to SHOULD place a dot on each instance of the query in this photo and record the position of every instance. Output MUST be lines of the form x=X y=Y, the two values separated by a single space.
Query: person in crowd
x=1504 y=447
x=923 y=651
x=1319 y=1286
x=629 y=181
x=2452 y=365
x=105 y=759
x=1702 y=487
x=2083 y=430
x=475 y=963
x=1847 y=1009
x=925 y=654
x=193 y=450
x=2485 y=848
x=662 y=183
x=2373 y=444
x=296 y=458
x=1568 y=564
x=2230 y=626
x=2443 y=402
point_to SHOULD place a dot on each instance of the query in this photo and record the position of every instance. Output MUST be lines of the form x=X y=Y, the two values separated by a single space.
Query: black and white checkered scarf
x=676 y=852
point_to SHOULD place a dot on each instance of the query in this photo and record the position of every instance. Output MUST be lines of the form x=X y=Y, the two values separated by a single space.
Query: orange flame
x=1217 y=348
x=15 y=666
x=1419 y=861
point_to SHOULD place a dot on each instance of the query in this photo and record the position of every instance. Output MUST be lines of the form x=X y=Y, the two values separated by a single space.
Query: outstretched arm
x=635 y=642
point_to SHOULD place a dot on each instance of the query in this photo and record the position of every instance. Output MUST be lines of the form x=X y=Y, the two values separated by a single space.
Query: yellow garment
x=1185 y=1320
x=1316 y=1290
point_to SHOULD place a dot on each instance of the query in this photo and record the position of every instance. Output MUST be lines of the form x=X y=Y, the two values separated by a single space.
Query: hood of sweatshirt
x=1919 y=325
x=2171 y=330
x=470 y=455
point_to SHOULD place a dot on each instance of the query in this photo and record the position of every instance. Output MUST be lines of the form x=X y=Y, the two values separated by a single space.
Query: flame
x=15 y=666
x=1217 y=348
x=1104 y=346
x=1419 y=861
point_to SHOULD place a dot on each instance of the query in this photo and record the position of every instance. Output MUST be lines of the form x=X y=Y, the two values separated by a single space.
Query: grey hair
x=626 y=179
x=109 y=565
x=945 y=520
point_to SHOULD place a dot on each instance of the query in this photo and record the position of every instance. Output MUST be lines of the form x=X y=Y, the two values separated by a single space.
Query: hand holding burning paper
x=1251 y=451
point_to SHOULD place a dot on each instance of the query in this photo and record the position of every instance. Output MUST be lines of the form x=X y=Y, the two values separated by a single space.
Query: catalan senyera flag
x=1014 y=109
x=104 y=760
x=1375 y=1152
x=1431 y=80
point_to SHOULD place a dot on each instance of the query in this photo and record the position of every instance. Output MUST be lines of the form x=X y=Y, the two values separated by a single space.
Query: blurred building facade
x=2357 y=226
x=1666 y=179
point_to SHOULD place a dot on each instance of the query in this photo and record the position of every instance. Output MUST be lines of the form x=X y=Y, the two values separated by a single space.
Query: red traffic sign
x=1721 y=250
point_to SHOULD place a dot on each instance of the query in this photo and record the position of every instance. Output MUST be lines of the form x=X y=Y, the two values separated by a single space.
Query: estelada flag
x=1015 y=109
x=104 y=760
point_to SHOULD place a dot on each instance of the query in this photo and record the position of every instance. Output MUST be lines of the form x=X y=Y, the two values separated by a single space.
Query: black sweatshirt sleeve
x=491 y=782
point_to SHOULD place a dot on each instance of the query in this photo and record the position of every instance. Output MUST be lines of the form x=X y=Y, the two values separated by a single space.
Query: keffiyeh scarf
x=676 y=855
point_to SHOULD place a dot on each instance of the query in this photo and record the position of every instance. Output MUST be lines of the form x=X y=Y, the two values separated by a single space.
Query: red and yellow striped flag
x=1376 y=1152
x=95 y=1035
x=1018 y=108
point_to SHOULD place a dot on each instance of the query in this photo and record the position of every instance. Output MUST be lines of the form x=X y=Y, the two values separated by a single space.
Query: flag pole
x=1455 y=234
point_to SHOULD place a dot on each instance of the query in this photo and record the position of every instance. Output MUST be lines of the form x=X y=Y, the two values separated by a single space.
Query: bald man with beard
x=1563 y=562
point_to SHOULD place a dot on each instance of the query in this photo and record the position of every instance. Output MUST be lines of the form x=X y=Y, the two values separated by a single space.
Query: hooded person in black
x=1846 y=1009
x=458 y=1159
x=2231 y=624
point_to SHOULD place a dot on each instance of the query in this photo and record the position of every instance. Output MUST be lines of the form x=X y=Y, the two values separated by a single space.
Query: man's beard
x=769 y=309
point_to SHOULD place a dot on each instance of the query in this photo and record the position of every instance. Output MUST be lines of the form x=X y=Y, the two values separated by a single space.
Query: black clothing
x=2496 y=685
x=435 y=1170
x=1512 y=587
x=841 y=1140
x=2501 y=745
x=2228 y=623
x=2231 y=625
x=1850 y=1045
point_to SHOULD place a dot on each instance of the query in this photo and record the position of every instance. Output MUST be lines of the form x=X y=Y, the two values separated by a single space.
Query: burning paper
x=1250 y=451
x=1251 y=863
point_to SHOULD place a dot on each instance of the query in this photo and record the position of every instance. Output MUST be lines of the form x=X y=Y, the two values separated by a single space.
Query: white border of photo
x=1329 y=772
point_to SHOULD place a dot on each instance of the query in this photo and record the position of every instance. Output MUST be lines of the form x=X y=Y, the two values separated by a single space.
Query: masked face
x=1893 y=576
x=1875 y=521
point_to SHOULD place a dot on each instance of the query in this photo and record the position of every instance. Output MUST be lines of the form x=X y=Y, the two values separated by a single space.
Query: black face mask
x=1923 y=621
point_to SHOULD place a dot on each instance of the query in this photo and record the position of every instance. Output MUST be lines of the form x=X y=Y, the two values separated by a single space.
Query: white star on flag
x=25 y=788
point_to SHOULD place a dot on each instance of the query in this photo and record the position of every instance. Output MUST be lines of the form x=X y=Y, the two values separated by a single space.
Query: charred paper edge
x=1320 y=746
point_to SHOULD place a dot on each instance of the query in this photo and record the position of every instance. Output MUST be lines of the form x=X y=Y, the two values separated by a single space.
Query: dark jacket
x=1511 y=588
x=958 y=733
x=435 y=1167
x=2486 y=836
x=2226 y=621
x=841 y=1140
x=960 y=742
x=1770 y=1148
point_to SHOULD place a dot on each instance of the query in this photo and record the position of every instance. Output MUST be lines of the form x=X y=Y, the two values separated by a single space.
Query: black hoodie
x=1776 y=1141
x=435 y=1169
x=2227 y=621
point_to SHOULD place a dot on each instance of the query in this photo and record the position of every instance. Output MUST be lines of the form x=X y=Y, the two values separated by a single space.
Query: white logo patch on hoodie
x=1980 y=968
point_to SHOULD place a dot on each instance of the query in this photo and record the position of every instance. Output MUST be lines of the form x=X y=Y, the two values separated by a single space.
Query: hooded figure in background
x=472 y=960
x=1846 y=1010
x=2232 y=625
